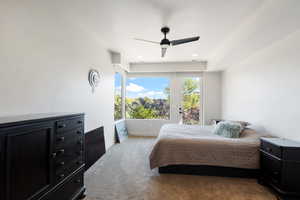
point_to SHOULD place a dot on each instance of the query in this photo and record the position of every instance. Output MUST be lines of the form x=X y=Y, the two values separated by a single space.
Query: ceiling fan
x=165 y=43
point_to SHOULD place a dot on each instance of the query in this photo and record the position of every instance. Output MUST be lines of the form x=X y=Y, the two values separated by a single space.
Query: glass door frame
x=177 y=91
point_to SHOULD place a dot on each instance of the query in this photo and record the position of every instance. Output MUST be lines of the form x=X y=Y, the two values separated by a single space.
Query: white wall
x=265 y=88
x=44 y=64
x=212 y=104
x=145 y=127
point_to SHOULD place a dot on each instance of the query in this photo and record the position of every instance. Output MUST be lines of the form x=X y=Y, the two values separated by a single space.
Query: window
x=148 y=98
x=118 y=96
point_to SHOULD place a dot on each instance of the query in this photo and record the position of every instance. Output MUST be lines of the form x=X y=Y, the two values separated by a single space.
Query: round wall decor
x=94 y=78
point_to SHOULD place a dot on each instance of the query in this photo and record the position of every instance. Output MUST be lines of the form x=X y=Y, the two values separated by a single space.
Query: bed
x=193 y=149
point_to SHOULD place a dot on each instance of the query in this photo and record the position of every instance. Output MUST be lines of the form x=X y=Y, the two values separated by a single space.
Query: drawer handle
x=79 y=122
x=61 y=139
x=79 y=132
x=53 y=155
x=62 y=126
x=62 y=163
x=61 y=151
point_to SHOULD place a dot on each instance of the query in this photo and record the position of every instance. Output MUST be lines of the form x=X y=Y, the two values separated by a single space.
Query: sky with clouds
x=152 y=87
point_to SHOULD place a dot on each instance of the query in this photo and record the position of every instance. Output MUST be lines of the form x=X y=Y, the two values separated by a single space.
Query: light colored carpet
x=124 y=174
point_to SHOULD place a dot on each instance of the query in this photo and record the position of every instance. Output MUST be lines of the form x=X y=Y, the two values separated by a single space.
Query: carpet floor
x=123 y=173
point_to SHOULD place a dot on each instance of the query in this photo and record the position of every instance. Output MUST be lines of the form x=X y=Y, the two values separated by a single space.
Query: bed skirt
x=210 y=171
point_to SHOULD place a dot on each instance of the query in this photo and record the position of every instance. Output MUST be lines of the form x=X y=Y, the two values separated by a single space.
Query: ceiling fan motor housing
x=165 y=42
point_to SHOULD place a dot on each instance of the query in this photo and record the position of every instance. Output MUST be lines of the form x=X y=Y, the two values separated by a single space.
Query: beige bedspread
x=197 y=145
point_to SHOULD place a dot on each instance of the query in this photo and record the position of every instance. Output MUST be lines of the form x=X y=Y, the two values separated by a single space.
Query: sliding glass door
x=190 y=104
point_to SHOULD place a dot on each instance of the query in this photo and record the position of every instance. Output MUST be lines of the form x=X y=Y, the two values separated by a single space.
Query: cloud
x=152 y=94
x=134 y=88
x=118 y=88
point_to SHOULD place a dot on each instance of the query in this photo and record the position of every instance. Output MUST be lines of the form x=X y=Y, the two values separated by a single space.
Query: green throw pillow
x=228 y=129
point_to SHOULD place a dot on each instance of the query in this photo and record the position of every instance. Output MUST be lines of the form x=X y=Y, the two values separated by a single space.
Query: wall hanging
x=94 y=79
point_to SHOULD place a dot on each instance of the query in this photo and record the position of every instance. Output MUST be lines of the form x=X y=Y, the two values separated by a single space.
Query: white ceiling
x=230 y=30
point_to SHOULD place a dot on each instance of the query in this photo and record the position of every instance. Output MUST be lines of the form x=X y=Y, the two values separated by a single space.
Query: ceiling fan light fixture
x=164 y=46
x=163 y=52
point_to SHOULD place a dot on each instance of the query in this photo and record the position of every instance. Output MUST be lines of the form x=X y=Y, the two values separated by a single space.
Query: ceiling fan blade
x=163 y=52
x=139 y=39
x=185 y=40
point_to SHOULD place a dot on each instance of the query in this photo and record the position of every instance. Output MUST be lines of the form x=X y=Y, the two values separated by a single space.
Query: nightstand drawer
x=271 y=168
x=271 y=149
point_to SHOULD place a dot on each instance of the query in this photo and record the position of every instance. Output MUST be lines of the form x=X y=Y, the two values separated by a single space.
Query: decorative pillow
x=228 y=129
x=243 y=123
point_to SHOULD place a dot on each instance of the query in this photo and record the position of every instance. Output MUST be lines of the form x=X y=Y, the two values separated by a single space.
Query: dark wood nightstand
x=280 y=167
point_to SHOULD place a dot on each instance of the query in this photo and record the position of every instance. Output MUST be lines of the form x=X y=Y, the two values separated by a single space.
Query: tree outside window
x=118 y=96
x=148 y=98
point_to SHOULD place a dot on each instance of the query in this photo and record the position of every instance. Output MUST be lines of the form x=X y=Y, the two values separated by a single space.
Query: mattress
x=197 y=145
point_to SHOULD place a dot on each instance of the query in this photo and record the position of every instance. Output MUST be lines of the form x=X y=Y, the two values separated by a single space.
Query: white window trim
x=123 y=89
x=174 y=86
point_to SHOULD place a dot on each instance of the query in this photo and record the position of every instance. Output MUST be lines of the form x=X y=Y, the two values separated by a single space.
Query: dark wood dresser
x=280 y=167
x=42 y=157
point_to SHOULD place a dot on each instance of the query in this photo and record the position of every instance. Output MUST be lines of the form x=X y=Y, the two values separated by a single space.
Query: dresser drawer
x=68 y=124
x=66 y=160
x=70 y=189
x=68 y=157
x=69 y=153
x=64 y=137
x=63 y=172
x=69 y=141
x=271 y=149
x=271 y=168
